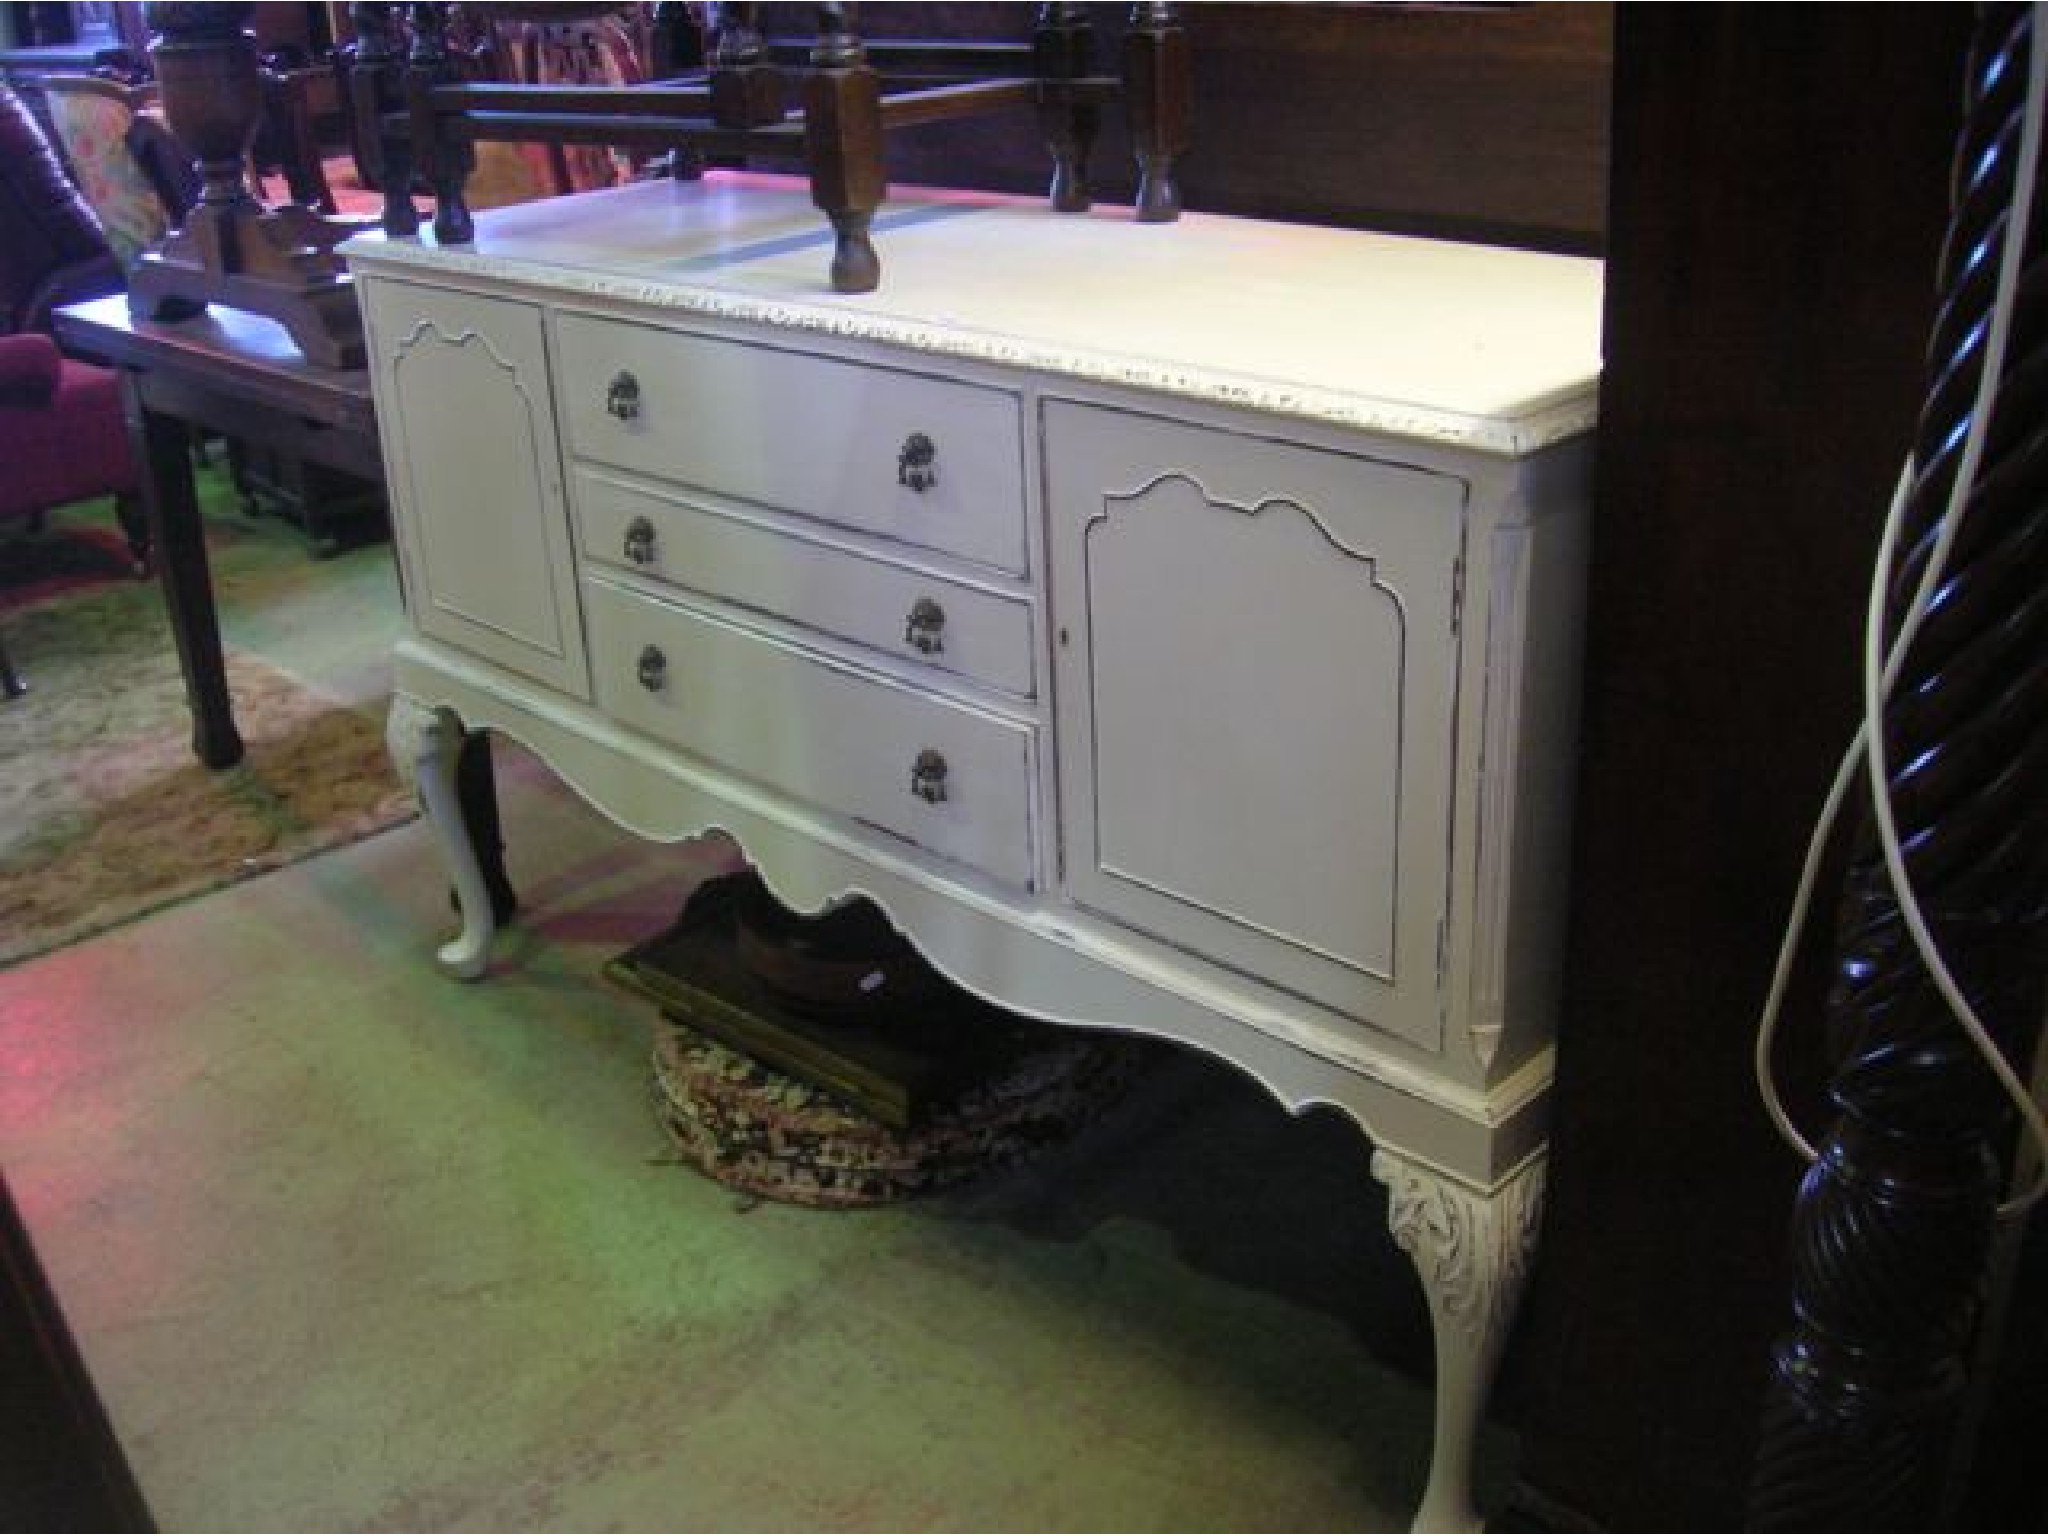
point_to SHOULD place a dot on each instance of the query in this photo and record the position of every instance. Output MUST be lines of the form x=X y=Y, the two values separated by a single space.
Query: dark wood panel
x=1480 y=121
x=1780 y=182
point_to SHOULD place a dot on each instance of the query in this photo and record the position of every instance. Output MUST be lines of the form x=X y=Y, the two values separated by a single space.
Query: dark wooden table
x=240 y=375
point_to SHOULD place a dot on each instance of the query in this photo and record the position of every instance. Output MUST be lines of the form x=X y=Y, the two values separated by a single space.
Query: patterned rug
x=105 y=814
x=770 y=1137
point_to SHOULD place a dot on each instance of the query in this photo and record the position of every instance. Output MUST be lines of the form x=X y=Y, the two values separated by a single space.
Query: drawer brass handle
x=653 y=669
x=917 y=463
x=923 y=627
x=622 y=399
x=928 y=776
x=640 y=541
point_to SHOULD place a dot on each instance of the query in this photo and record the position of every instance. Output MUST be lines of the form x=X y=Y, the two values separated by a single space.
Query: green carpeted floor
x=348 y=1246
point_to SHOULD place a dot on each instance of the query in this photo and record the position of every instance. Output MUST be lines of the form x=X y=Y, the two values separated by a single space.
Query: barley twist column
x=1892 y=1225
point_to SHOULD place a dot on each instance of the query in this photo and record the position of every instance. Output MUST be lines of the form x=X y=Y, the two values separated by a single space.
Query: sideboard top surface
x=1475 y=346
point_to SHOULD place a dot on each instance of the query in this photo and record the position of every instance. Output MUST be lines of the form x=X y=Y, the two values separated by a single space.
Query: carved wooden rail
x=826 y=106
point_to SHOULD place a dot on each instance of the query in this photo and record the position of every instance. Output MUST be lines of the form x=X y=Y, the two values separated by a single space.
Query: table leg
x=1472 y=1248
x=11 y=685
x=163 y=446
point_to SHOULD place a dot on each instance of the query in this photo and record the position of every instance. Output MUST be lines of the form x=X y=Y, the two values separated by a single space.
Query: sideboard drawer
x=952 y=780
x=894 y=609
x=931 y=462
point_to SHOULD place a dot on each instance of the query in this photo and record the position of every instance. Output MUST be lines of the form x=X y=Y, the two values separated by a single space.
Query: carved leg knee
x=1471 y=1248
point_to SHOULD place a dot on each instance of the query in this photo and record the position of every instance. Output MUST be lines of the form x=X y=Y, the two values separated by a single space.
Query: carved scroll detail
x=1471 y=1249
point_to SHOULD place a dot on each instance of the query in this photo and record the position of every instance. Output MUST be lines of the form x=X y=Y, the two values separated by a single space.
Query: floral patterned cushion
x=93 y=130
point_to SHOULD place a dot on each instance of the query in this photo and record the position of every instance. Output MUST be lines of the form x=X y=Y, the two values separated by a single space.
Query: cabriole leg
x=1472 y=1249
x=426 y=745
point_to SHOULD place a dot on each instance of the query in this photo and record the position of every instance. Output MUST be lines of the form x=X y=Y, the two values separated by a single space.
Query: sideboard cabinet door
x=463 y=400
x=1255 y=669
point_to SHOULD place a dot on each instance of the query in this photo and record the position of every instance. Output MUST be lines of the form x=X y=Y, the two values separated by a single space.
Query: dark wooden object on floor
x=61 y=1468
x=1780 y=185
x=839 y=1001
x=1892 y=1231
x=851 y=95
x=230 y=248
x=333 y=509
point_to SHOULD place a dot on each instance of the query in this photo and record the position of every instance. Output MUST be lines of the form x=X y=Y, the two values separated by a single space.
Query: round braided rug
x=770 y=1135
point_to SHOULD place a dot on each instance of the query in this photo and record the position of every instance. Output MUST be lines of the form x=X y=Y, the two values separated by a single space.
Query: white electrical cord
x=1880 y=670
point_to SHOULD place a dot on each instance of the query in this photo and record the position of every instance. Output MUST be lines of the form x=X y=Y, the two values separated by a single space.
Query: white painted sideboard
x=1174 y=628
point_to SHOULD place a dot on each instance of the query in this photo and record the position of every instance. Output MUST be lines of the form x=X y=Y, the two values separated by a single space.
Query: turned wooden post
x=675 y=46
x=210 y=85
x=1156 y=93
x=1063 y=48
x=746 y=89
x=1892 y=1225
x=843 y=136
x=444 y=159
x=230 y=248
x=377 y=92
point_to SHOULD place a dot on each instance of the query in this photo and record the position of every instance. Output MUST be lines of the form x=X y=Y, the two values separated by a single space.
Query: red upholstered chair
x=62 y=437
x=62 y=440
